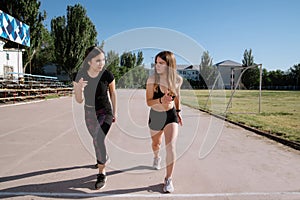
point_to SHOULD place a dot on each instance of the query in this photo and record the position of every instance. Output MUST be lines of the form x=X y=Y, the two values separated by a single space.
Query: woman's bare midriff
x=163 y=107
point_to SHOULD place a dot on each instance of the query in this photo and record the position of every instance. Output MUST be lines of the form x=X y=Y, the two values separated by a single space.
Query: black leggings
x=98 y=129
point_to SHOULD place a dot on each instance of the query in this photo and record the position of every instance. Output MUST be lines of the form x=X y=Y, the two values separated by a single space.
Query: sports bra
x=158 y=94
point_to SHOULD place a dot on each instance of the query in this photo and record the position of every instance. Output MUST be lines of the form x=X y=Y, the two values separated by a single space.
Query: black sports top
x=158 y=94
x=95 y=93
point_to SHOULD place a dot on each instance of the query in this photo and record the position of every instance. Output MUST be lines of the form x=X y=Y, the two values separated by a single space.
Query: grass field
x=279 y=111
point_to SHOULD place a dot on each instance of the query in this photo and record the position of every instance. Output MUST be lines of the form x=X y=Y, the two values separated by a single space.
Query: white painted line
x=55 y=194
x=22 y=103
x=43 y=146
x=29 y=102
x=32 y=125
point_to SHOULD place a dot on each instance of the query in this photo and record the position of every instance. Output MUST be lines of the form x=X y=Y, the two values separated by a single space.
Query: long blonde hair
x=170 y=59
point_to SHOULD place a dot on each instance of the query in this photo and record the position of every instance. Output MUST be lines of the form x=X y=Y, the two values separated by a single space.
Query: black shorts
x=158 y=120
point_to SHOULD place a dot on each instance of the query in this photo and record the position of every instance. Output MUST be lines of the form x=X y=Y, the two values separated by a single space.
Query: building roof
x=228 y=63
x=187 y=67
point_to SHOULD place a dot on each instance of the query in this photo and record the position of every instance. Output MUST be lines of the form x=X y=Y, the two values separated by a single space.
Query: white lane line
x=19 y=104
x=28 y=102
x=19 y=162
x=56 y=194
x=33 y=124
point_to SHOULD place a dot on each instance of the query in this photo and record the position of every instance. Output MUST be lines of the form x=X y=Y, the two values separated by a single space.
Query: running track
x=45 y=152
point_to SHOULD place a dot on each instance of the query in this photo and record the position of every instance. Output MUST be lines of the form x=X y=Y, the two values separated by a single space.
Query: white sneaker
x=156 y=163
x=168 y=187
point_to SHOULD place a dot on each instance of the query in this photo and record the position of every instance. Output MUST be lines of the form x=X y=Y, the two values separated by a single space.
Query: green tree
x=250 y=78
x=72 y=36
x=294 y=73
x=207 y=71
x=266 y=81
x=277 y=78
x=128 y=60
x=134 y=78
x=248 y=58
x=46 y=53
x=27 y=11
x=140 y=58
x=132 y=72
x=112 y=64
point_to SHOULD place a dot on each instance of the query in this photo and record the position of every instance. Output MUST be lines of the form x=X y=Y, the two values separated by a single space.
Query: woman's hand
x=179 y=118
x=80 y=85
x=166 y=99
x=78 y=88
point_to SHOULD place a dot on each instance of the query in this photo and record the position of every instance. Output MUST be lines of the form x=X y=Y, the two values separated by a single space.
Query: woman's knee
x=171 y=147
x=156 y=138
x=156 y=143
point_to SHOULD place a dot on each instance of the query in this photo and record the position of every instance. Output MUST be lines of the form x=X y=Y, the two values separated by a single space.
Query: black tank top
x=158 y=94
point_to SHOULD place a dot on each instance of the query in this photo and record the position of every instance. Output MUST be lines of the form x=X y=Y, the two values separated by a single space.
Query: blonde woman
x=163 y=97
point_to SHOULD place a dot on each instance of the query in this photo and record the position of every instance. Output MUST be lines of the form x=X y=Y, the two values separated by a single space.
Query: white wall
x=226 y=76
x=14 y=59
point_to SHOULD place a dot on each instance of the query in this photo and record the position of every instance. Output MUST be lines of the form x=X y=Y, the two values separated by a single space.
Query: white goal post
x=239 y=80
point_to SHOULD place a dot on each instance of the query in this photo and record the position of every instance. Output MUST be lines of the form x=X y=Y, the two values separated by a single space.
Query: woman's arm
x=163 y=101
x=177 y=101
x=149 y=93
x=149 y=96
x=113 y=97
x=78 y=90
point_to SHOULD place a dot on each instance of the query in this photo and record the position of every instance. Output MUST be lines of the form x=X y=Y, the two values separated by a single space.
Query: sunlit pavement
x=46 y=153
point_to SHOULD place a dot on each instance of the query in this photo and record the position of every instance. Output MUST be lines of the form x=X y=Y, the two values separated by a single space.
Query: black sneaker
x=101 y=180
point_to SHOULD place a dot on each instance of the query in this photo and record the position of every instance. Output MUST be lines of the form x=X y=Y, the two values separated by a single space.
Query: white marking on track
x=57 y=194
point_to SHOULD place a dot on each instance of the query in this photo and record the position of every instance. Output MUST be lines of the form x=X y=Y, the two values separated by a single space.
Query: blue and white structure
x=14 y=30
x=11 y=61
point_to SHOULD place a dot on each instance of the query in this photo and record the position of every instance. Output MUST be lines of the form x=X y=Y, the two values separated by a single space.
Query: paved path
x=45 y=152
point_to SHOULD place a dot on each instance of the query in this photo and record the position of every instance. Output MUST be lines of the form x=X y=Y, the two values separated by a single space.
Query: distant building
x=230 y=72
x=189 y=72
x=11 y=63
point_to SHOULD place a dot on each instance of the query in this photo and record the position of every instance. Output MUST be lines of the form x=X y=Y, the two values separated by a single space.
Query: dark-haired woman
x=91 y=86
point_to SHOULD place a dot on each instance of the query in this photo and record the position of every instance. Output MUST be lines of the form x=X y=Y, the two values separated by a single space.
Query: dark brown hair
x=90 y=53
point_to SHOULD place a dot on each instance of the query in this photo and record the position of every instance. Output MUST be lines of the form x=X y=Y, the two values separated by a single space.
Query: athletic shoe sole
x=101 y=185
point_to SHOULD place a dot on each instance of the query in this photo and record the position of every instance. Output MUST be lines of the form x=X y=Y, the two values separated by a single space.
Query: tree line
x=65 y=43
x=278 y=79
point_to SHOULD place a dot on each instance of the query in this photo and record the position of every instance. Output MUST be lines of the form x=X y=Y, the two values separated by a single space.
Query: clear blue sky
x=225 y=28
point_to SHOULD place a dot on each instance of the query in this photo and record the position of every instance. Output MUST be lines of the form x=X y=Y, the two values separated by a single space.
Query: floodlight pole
x=260 y=84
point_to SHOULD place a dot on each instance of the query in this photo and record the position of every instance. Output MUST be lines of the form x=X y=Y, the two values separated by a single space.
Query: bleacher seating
x=28 y=86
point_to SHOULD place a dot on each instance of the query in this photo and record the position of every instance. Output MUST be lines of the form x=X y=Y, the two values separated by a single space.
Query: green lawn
x=280 y=110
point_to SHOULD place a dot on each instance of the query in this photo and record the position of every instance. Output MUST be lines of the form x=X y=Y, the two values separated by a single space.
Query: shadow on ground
x=71 y=186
